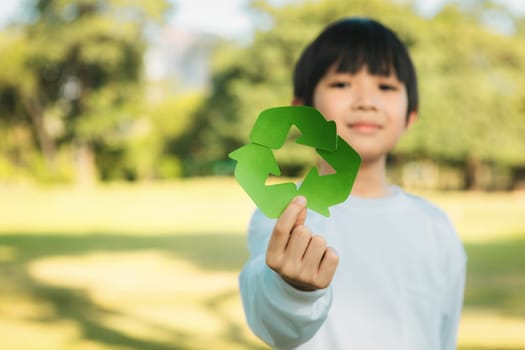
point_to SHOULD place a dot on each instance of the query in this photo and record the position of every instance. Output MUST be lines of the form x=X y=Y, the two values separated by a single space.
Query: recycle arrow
x=256 y=160
x=336 y=187
x=273 y=124
x=254 y=163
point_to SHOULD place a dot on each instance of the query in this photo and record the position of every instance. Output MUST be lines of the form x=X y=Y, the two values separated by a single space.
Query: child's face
x=370 y=111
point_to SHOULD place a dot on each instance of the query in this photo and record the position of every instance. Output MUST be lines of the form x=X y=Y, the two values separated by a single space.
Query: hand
x=300 y=258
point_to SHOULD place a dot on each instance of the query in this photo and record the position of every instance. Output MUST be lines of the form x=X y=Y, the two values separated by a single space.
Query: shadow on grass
x=209 y=251
x=495 y=280
x=212 y=252
x=496 y=276
x=75 y=305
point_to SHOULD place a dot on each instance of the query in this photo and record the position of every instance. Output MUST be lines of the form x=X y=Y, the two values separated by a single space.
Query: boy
x=396 y=274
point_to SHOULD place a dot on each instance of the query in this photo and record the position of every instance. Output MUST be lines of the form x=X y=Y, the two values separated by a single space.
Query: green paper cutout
x=255 y=161
x=272 y=127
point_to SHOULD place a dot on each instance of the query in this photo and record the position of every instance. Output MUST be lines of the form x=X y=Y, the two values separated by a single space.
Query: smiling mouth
x=364 y=127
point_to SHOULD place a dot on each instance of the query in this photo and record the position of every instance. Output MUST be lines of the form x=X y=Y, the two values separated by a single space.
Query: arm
x=453 y=306
x=285 y=304
x=455 y=259
x=279 y=314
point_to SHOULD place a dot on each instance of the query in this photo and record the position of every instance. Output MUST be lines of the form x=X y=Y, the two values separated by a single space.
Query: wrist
x=300 y=286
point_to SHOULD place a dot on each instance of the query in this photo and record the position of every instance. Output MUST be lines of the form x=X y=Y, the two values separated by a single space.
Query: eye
x=340 y=84
x=388 y=87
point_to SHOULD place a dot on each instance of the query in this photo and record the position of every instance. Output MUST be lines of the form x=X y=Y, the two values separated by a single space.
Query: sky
x=223 y=17
x=228 y=18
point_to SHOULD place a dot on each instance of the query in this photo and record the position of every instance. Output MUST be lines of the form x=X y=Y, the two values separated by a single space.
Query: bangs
x=352 y=61
x=355 y=46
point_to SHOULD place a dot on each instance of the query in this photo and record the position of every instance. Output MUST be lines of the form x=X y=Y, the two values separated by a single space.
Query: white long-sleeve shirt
x=399 y=283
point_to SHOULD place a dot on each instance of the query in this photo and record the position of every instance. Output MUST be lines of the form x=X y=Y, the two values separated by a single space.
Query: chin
x=369 y=157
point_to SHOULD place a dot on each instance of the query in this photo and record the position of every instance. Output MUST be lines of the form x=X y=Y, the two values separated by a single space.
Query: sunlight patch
x=490 y=329
x=24 y=307
x=153 y=295
x=122 y=276
x=18 y=334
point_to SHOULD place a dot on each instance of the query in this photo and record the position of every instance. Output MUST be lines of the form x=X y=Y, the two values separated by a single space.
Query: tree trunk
x=85 y=168
x=473 y=174
x=46 y=143
x=518 y=178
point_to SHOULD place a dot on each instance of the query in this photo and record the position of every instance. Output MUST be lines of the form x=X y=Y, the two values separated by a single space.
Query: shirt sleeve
x=453 y=297
x=281 y=315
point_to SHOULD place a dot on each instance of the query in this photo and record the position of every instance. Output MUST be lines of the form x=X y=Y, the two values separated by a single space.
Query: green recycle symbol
x=255 y=161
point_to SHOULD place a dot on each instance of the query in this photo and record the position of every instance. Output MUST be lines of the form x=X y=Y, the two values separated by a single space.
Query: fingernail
x=301 y=200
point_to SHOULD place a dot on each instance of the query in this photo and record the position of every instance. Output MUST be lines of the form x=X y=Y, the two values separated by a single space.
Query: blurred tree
x=471 y=91
x=472 y=99
x=16 y=141
x=71 y=74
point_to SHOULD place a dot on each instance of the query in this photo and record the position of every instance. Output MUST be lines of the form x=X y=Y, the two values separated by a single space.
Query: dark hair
x=353 y=43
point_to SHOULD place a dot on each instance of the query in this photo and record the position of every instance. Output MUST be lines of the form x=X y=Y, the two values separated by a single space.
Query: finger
x=327 y=267
x=293 y=215
x=313 y=255
x=301 y=218
x=297 y=244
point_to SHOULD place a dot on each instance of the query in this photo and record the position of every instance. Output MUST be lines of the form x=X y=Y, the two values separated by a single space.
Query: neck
x=371 y=181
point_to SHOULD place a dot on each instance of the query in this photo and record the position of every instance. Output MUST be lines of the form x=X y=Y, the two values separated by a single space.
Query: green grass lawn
x=155 y=267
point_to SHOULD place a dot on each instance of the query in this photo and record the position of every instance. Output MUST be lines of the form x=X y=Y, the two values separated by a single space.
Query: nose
x=365 y=98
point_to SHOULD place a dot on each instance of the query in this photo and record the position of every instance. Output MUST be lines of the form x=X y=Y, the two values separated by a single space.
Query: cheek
x=398 y=116
x=322 y=106
x=401 y=105
x=328 y=105
x=398 y=130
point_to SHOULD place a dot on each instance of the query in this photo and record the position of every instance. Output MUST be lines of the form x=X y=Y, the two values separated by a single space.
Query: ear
x=412 y=117
x=296 y=101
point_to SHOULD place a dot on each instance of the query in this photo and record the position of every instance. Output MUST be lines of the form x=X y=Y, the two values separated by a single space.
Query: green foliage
x=470 y=92
x=472 y=97
x=71 y=83
x=139 y=142
x=72 y=77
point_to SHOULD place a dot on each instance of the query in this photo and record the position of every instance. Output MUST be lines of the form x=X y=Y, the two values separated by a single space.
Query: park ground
x=154 y=266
